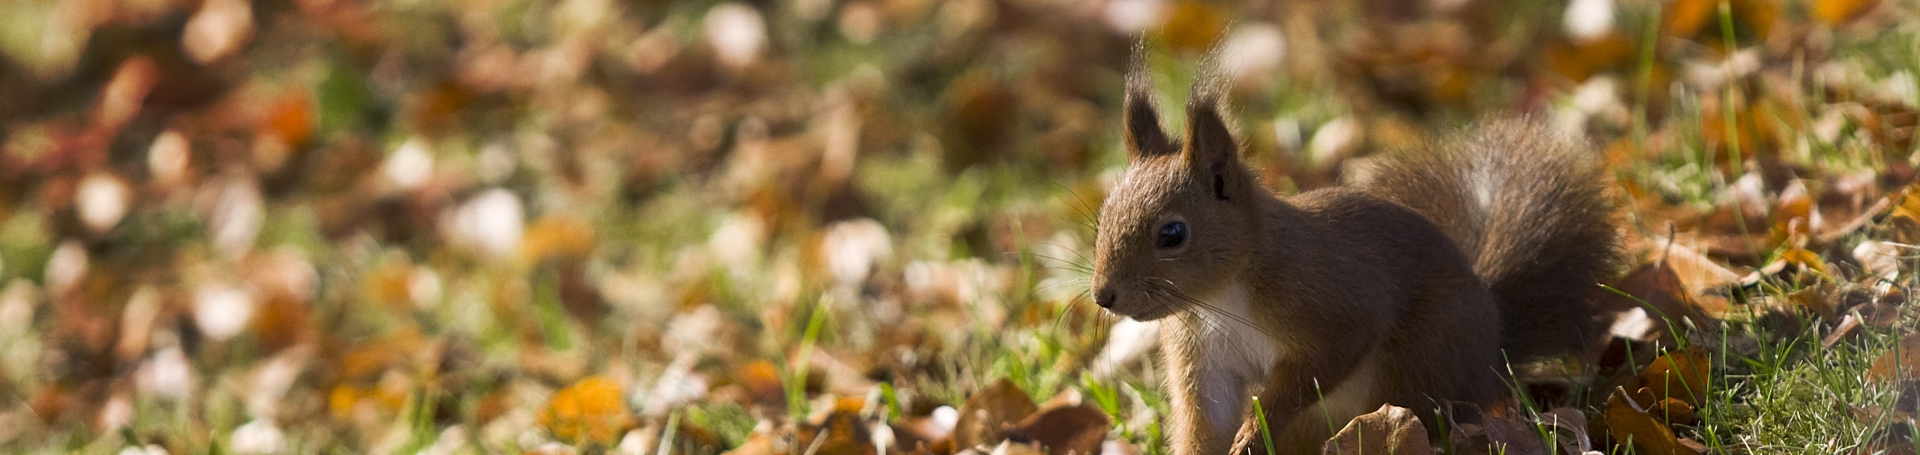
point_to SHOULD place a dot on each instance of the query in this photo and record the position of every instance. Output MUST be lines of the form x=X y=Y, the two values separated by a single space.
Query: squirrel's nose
x=1104 y=298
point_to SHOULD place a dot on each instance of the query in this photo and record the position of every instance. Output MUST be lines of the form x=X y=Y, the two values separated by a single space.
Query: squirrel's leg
x=1292 y=394
x=1208 y=405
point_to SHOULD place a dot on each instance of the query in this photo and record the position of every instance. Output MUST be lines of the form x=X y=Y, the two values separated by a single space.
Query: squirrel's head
x=1181 y=222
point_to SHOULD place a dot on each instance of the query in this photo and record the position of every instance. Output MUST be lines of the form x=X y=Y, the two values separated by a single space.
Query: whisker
x=1068 y=309
x=1207 y=314
x=1076 y=252
x=1050 y=286
x=1069 y=265
x=1175 y=292
x=1080 y=206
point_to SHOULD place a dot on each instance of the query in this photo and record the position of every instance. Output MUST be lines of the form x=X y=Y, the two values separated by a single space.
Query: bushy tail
x=1530 y=209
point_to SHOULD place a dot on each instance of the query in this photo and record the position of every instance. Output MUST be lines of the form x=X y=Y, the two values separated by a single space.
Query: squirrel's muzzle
x=1105 y=298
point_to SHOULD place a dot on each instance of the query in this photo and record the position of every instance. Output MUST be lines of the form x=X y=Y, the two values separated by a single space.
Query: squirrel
x=1413 y=287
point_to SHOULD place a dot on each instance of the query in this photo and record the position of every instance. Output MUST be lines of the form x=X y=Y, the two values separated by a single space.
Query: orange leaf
x=1672 y=411
x=1579 y=61
x=292 y=118
x=1681 y=375
x=762 y=381
x=589 y=410
x=557 y=237
x=1684 y=18
x=1195 y=25
x=1631 y=425
x=843 y=430
x=1836 y=12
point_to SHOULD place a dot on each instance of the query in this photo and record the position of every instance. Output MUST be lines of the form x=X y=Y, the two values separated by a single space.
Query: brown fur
x=1360 y=298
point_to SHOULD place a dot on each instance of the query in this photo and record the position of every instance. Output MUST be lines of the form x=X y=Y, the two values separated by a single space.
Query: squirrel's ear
x=1211 y=149
x=1144 y=135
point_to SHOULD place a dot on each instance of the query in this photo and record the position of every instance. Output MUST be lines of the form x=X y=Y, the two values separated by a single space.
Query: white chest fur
x=1234 y=354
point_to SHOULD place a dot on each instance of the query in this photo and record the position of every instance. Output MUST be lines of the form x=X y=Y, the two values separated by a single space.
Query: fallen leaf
x=589 y=410
x=990 y=411
x=840 y=431
x=1837 y=12
x=1388 y=430
x=762 y=381
x=1681 y=375
x=1818 y=299
x=1672 y=411
x=1657 y=290
x=1900 y=364
x=1879 y=314
x=1193 y=26
x=1062 y=430
x=1882 y=259
x=1511 y=437
x=1571 y=424
x=1848 y=325
x=1630 y=425
x=557 y=236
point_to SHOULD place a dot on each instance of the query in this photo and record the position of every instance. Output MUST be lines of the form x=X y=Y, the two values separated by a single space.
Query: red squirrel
x=1412 y=288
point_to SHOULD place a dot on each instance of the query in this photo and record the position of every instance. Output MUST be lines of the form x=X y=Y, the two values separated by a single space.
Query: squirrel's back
x=1529 y=208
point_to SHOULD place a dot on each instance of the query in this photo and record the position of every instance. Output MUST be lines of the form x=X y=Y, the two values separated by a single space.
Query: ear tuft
x=1211 y=149
x=1143 y=134
x=1209 y=141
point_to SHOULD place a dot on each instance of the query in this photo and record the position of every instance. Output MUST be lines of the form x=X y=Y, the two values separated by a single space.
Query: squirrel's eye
x=1172 y=235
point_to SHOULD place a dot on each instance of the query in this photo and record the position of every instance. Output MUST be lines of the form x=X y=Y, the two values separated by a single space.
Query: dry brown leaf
x=762 y=381
x=1571 y=425
x=1891 y=448
x=929 y=429
x=1681 y=375
x=1579 y=61
x=1683 y=18
x=1069 y=429
x=838 y=430
x=1701 y=277
x=1700 y=19
x=1903 y=224
x=292 y=118
x=1900 y=364
x=1882 y=259
x=1672 y=411
x=1388 y=430
x=1665 y=299
x=1848 y=325
x=1509 y=436
x=557 y=236
x=1193 y=26
x=1879 y=314
x=1795 y=259
x=1630 y=425
x=990 y=411
x=1818 y=299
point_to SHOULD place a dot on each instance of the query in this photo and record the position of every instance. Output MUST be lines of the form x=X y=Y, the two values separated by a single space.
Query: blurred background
x=480 y=226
